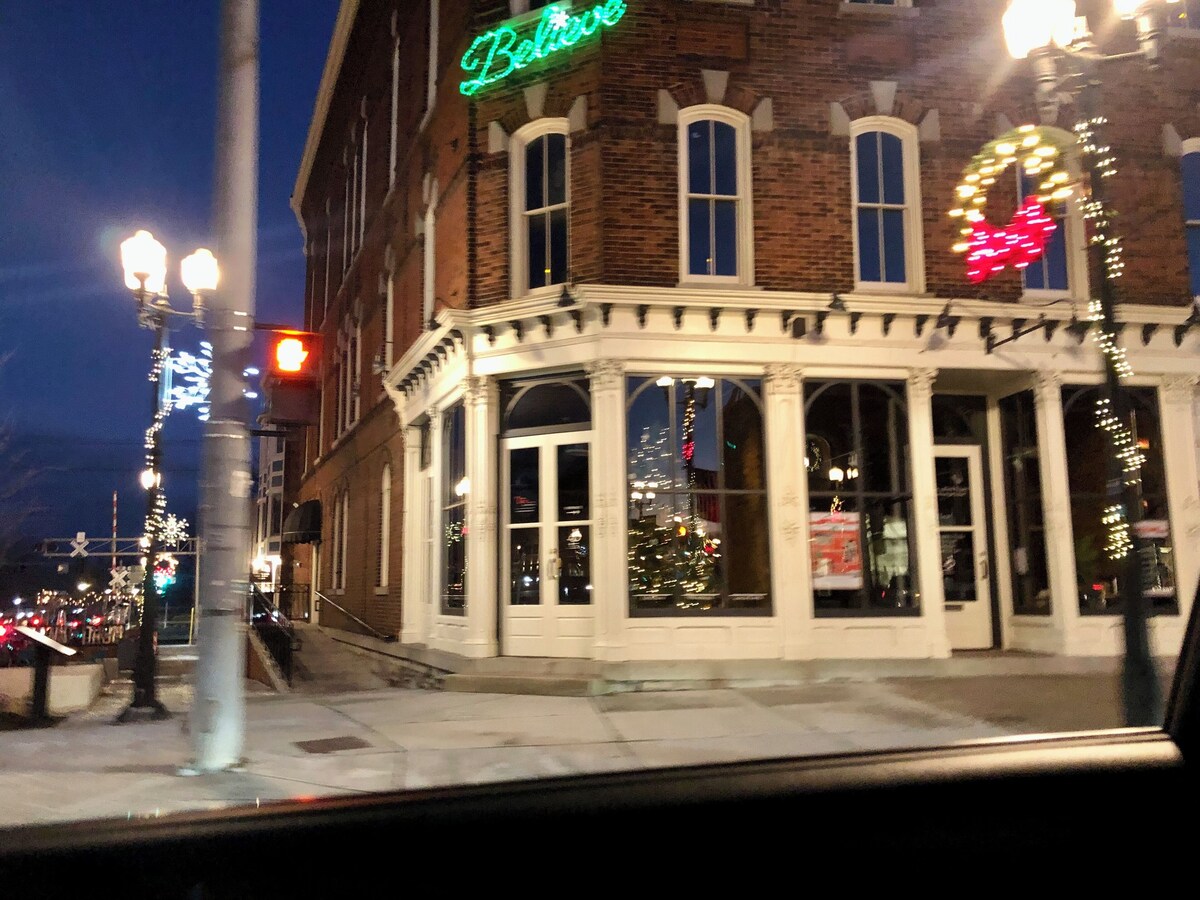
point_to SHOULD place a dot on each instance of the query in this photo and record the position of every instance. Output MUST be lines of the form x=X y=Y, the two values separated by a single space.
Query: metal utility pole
x=217 y=724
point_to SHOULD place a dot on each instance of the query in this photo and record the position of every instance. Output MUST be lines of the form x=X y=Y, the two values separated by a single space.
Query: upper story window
x=1191 y=213
x=540 y=180
x=716 y=238
x=1062 y=269
x=885 y=176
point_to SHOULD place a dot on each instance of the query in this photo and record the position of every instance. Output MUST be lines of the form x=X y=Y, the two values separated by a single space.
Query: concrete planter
x=72 y=688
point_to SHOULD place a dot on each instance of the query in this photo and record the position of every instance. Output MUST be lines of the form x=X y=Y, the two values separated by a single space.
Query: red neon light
x=991 y=250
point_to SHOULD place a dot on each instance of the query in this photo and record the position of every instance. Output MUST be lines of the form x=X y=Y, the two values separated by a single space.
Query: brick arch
x=695 y=93
x=904 y=107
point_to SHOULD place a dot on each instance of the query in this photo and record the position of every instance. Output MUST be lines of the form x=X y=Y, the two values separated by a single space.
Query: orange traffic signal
x=294 y=354
x=290 y=354
x=292 y=382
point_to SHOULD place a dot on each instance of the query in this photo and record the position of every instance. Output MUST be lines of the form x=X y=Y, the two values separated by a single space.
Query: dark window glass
x=539 y=271
x=892 y=168
x=557 y=257
x=880 y=225
x=698 y=539
x=700 y=254
x=1089 y=471
x=546 y=404
x=1051 y=272
x=546 y=210
x=535 y=174
x=893 y=246
x=725 y=163
x=455 y=490
x=868 y=167
x=1191 y=205
x=556 y=169
x=860 y=512
x=870 y=248
x=1023 y=503
x=700 y=158
x=712 y=219
x=725 y=237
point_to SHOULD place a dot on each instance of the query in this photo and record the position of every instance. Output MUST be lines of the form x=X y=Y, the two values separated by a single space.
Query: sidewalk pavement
x=402 y=738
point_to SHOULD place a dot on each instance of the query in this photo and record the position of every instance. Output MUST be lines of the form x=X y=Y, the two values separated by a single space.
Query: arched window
x=385 y=527
x=716 y=218
x=1191 y=208
x=1062 y=270
x=885 y=177
x=539 y=171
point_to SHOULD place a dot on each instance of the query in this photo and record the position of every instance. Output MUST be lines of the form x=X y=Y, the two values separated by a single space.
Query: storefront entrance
x=963 y=538
x=546 y=604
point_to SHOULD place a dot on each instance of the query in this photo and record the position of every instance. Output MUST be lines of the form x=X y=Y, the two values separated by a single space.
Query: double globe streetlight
x=145 y=263
x=1066 y=65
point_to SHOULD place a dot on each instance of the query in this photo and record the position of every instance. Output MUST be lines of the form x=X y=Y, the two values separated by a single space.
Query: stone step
x=546 y=686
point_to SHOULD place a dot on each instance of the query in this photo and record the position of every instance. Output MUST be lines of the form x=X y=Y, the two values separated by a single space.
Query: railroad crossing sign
x=82 y=545
x=79 y=545
x=120 y=578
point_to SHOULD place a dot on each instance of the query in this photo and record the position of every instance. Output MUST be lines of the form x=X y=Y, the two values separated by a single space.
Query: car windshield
x=408 y=393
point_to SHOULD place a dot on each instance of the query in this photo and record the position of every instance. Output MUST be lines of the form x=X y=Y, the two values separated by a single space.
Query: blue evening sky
x=107 y=114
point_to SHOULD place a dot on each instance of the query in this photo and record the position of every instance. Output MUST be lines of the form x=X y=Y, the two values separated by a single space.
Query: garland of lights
x=1041 y=154
x=1100 y=217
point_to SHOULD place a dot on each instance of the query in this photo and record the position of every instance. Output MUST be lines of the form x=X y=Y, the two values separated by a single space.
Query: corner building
x=654 y=347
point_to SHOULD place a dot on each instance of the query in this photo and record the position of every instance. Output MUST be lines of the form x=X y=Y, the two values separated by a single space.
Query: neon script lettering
x=497 y=54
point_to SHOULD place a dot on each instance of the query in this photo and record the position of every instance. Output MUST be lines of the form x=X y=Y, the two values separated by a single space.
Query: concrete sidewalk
x=398 y=738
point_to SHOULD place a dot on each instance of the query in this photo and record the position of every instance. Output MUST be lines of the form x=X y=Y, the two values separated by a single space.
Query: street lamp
x=1066 y=66
x=144 y=261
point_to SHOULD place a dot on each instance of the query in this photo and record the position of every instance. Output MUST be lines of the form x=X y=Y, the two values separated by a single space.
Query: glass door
x=962 y=534
x=546 y=584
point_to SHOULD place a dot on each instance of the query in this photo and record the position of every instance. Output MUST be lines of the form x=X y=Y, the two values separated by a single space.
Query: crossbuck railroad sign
x=79 y=545
x=120 y=578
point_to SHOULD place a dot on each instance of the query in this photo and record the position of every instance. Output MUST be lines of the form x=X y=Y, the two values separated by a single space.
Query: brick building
x=644 y=340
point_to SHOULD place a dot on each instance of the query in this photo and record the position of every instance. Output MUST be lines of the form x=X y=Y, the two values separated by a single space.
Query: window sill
x=382 y=591
x=878 y=9
x=716 y=285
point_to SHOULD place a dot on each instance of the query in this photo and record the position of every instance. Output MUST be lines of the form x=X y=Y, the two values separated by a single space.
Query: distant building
x=706 y=245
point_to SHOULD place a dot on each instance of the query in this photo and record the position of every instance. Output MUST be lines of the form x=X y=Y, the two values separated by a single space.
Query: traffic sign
x=79 y=545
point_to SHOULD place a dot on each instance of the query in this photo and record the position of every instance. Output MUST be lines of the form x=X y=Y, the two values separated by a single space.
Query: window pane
x=573 y=484
x=958 y=566
x=1191 y=187
x=700 y=158
x=725 y=141
x=556 y=164
x=575 y=579
x=652 y=461
x=893 y=168
x=538 y=276
x=1023 y=503
x=742 y=439
x=953 y=490
x=726 y=234
x=535 y=159
x=893 y=246
x=524 y=485
x=696 y=425
x=868 y=167
x=524 y=567
x=1055 y=259
x=830 y=439
x=892 y=580
x=882 y=456
x=558 y=247
x=869 y=250
x=454 y=592
x=741 y=546
x=546 y=405
x=454 y=450
x=699 y=249
x=1193 y=248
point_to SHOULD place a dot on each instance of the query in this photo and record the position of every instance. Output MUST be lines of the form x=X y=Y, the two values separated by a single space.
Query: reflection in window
x=712 y=199
x=1088 y=458
x=860 y=498
x=545 y=404
x=697 y=497
x=1023 y=504
x=455 y=489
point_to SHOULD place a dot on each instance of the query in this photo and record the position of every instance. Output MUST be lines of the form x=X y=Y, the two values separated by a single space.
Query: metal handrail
x=375 y=632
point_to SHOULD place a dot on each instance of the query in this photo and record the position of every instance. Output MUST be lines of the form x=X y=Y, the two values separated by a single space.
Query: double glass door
x=546 y=538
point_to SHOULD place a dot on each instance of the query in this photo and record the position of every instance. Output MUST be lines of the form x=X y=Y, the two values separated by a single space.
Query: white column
x=413 y=622
x=482 y=410
x=925 y=509
x=1176 y=401
x=1056 y=503
x=787 y=496
x=610 y=564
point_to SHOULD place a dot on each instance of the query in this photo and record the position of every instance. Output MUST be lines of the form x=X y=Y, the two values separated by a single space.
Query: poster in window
x=836 y=551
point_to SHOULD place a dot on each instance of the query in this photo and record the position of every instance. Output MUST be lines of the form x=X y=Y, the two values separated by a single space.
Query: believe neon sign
x=502 y=51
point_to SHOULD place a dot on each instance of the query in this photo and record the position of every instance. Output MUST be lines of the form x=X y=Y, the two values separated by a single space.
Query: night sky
x=107 y=115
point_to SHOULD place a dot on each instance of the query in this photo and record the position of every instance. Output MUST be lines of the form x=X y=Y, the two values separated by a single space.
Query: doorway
x=963 y=542
x=546 y=606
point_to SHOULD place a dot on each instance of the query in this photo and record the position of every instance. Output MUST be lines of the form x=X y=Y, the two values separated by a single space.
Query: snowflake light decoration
x=559 y=18
x=196 y=372
x=174 y=530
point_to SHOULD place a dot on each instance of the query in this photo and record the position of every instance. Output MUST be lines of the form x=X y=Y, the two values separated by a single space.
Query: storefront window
x=1088 y=458
x=860 y=498
x=1023 y=504
x=455 y=489
x=698 y=537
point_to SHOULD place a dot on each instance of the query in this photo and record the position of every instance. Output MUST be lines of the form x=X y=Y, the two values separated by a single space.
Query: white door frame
x=969 y=623
x=546 y=628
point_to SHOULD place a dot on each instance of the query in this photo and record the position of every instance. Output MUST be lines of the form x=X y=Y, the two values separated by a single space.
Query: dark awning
x=303 y=524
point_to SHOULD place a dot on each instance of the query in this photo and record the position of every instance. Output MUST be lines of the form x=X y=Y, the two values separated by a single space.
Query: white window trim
x=745 y=197
x=518 y=233
x=385 y=524
x=431 y=76
x=343 y=538
x=1078 y=287
x=914 y=236
x=389 y=318
x=429 y=257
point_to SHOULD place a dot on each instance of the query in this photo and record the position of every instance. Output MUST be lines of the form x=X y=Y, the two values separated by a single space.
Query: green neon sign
x=502 y=51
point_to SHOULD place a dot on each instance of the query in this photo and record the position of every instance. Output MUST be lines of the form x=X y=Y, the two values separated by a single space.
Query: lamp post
x=1066 y=66
x=145 y=263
